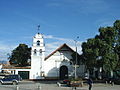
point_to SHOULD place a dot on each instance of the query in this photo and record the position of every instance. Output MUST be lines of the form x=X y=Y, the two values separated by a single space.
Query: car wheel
x=14 y=83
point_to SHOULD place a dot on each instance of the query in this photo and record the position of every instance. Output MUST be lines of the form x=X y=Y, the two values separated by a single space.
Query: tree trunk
x=111 y=73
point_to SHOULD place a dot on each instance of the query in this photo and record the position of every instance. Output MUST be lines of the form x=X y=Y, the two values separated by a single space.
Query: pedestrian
x=90 y=82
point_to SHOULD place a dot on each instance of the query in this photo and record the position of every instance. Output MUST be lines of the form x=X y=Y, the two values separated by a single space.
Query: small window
x=40 y=50
x=35 y=51
x=38 y=43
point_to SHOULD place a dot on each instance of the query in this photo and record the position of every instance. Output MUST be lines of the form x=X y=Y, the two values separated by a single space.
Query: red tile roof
x=12 y=67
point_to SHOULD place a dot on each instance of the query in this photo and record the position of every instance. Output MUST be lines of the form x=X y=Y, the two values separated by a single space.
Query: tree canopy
x=104 y=49
x=20 y=55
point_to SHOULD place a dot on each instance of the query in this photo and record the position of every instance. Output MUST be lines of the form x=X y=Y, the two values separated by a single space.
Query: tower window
x=40 y=50
x=35 y=51
x=38 y=43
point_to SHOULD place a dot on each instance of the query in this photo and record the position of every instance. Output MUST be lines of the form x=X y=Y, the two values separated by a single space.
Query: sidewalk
x=105 y=87
x=98 y=86
x=49 y=86
x=101 y=86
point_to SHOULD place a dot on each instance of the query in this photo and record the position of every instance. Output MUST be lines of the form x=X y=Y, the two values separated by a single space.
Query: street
x=51 y=85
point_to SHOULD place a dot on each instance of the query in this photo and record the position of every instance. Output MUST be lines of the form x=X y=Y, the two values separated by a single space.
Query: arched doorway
x=63 y=72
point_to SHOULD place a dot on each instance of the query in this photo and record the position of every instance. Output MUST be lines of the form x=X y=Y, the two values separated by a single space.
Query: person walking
x=90 y=83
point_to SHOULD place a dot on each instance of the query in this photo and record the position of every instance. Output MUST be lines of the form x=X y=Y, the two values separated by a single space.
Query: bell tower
x=37 y=56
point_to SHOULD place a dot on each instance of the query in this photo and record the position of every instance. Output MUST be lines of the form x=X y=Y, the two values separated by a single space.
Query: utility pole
x=76 y=58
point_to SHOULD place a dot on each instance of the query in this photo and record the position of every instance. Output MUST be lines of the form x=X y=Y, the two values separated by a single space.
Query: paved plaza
x=29 y=85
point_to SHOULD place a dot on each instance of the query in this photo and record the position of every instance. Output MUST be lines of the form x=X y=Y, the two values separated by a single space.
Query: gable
x=63 y=49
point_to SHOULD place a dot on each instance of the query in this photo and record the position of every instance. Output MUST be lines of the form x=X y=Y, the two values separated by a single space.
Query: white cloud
x=57 y=38
x=81 y=6
x=53 y=4
x=104 y=22
x=94 y=6
x=4 y=50
x=48 y=36
x=50 y=47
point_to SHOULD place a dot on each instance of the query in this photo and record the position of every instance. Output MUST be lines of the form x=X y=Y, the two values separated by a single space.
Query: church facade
x=57 y=65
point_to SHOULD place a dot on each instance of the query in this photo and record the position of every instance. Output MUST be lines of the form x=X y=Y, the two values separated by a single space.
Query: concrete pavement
x=29 y=85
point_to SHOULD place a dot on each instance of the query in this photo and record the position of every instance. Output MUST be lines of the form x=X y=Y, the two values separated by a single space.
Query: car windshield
x=6 y=77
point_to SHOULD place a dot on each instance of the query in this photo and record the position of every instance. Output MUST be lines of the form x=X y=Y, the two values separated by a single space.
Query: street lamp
x=76 y=58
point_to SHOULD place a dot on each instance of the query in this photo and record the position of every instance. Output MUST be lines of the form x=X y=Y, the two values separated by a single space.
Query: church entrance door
x=63 y=72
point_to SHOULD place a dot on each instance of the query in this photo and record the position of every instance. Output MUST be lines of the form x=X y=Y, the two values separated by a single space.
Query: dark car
x=116 y=81
x=13 y=79
x=112 y=80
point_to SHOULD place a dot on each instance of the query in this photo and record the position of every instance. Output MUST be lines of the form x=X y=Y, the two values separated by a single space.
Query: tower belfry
x=37 y=55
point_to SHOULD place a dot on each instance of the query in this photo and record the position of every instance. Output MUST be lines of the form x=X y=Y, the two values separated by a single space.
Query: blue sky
x=61 y=21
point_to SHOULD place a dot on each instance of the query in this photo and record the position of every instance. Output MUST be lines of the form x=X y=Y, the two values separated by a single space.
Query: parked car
x=112 y=80
x=63 y=83
x=13 y=79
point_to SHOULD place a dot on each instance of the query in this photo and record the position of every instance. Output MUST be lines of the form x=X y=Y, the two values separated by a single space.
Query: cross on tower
x=38 y=28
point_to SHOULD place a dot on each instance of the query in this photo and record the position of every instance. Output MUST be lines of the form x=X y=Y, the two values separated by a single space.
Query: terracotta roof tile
x=12 y=67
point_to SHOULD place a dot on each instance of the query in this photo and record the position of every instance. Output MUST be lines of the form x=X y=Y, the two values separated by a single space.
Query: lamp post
x=76 y=58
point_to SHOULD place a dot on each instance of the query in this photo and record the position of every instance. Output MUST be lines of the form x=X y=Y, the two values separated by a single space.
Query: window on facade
x=35 y=51
x=40 y=50
x=38 y=43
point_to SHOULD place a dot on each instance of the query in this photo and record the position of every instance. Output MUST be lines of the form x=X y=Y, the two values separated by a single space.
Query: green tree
x=20 y=55
x=79 y=60
x=90 y=52
x=110 y=57
x=117 y=47
x=103 y=49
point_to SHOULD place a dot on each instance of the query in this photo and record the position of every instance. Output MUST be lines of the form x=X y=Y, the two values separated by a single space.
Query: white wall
x=53 y=63
x=0 y=67
x=35 y=67
x=37 y=59
x=15 y=71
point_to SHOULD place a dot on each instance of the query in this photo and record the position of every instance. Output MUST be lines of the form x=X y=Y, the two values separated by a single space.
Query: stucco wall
x=58 y=59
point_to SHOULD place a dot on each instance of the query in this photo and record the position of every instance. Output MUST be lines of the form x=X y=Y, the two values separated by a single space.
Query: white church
x=57 y=65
